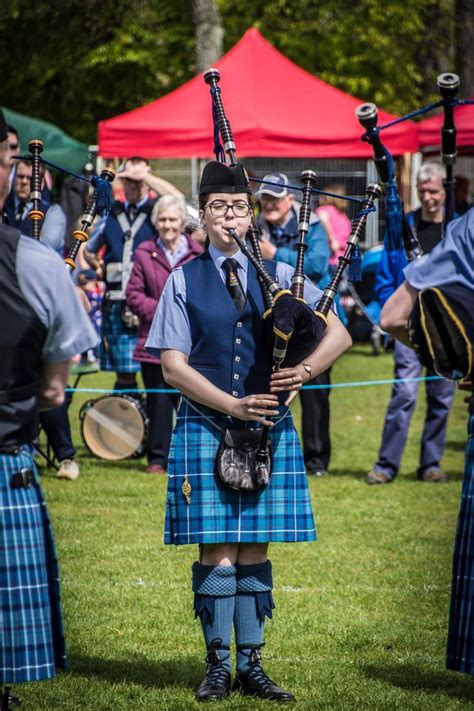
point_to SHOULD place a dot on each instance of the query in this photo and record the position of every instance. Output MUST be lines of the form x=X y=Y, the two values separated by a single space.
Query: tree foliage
x=80 y=61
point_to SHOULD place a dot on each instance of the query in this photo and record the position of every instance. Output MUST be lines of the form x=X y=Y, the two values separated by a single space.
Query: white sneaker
x=68 y=469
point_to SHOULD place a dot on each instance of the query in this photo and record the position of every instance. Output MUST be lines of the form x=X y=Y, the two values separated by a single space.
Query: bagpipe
x=441 y=325
x=99 y=203
x=291 y=328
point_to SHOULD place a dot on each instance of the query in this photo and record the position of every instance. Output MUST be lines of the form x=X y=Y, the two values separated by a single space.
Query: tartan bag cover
x=279 y=512
x=31 y=633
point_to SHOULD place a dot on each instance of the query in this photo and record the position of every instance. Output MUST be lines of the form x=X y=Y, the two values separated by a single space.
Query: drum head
x=113 y=427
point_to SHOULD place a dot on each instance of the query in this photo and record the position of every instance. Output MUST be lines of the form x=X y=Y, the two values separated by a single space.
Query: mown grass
x=361 y=614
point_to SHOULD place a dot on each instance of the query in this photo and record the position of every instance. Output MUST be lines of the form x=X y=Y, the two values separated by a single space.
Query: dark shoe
x=376 y=477
x=216 y=683
x=434 y=475
x=255 y=682
x=155 y=469
x=7 y=699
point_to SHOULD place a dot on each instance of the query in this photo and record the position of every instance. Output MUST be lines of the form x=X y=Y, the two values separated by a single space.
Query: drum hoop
x=136 y=405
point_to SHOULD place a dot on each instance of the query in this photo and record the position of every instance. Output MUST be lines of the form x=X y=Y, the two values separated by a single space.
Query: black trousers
x=160 y=409
x=55 y=424
x=315 y=424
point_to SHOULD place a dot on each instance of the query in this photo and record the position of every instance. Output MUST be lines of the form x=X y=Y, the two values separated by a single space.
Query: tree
x=464 y=13
x=209 y=33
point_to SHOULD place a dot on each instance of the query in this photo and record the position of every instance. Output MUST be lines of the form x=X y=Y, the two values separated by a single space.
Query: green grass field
x=361 y=614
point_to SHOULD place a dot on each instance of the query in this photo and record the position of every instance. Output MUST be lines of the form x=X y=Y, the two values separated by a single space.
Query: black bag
x=237 y=466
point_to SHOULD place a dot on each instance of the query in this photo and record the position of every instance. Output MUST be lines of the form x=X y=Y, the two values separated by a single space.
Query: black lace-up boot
x=7 y=699
x=254 y=681
x=216 y=683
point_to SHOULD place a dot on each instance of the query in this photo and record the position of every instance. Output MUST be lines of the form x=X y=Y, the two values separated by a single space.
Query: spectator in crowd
x=427 y=222
x=126 y=227
x=278 y=221
x=332 y=215
x=461 y=195
x=18 y=205
x=154 y=261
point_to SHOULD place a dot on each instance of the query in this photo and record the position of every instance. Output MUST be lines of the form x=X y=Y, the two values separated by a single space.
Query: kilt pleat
x=117 y=342
x=279 y=512
x=460 y=653
x=31 y=633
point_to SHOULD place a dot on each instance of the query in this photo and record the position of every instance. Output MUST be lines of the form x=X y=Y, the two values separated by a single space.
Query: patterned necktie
x=233 y=284
x=19 y=212
x=132 y=212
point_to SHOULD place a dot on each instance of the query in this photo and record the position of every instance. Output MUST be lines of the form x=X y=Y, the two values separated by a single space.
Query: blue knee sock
x=214 y=602
x=253 y=602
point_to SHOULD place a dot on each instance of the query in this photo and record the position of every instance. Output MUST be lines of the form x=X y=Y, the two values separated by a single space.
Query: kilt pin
x=279 y=512
x=460 y=652
x=31 y=633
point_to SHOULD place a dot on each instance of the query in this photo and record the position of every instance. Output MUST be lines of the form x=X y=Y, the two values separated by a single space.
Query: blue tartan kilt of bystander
x=117 y=342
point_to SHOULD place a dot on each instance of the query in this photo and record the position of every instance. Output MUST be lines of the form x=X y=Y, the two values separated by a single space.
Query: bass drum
x=114 y=427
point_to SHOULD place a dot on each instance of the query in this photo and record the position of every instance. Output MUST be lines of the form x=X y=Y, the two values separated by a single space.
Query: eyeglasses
x=219 y=209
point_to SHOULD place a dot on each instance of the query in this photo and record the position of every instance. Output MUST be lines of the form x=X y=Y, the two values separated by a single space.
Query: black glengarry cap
x=221 y=178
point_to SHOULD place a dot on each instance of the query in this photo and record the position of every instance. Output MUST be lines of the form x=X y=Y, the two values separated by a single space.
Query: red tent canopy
x=429 y=129
x=275 y=109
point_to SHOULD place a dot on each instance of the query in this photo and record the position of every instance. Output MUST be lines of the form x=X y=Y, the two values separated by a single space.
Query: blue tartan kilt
x=279 y=512
x=117 y=342
x=460 y=652
x=31 y=635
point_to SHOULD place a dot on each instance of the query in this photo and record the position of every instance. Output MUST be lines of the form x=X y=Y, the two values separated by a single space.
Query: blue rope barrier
x=362 y=383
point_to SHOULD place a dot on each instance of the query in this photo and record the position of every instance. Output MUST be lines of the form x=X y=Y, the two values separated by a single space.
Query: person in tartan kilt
x=448 y=271
x=207 y=330
x=43 y=326
x=120 y=234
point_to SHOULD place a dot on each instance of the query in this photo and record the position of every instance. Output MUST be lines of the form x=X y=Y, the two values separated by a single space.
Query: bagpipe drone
x=441 y=325
x=292 y=329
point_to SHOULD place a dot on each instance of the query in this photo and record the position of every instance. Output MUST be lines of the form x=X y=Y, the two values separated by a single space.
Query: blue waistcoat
x=228 y=350
x=113 y=235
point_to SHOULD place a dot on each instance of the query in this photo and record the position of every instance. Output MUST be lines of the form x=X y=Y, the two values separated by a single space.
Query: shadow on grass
x=184 y=672
x=353 y=473
x=413 y=678
x=456 y=445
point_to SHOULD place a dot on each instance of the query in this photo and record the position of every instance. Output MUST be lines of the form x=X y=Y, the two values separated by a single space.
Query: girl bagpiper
x=208 y=332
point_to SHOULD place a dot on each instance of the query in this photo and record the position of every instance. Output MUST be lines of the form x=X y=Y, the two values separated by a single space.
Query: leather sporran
x=128 y=318
x=236 y=462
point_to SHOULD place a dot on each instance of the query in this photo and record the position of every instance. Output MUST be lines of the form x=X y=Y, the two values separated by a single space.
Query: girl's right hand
x=256 y=408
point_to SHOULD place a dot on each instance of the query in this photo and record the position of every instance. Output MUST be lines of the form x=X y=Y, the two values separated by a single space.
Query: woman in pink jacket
x=153 y=262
